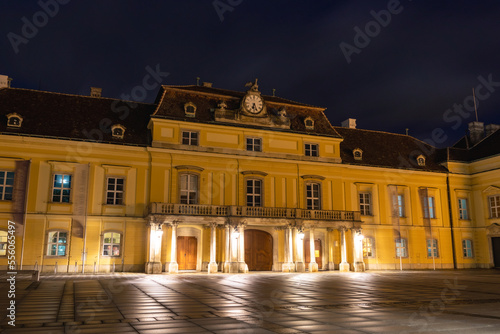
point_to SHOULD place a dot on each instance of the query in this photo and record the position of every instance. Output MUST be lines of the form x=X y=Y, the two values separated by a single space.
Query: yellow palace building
x=213 y=180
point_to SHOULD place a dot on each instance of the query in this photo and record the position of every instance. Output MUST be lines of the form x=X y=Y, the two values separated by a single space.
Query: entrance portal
x=186 y=253
x=258 y=250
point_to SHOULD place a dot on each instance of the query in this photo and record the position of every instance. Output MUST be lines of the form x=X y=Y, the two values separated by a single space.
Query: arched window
x=14 y=120
x=421 y=160
x=57 y=243
x=358 y=154
x=118 y=131
x=111 y=244
x=309 y=123
x=190 y=109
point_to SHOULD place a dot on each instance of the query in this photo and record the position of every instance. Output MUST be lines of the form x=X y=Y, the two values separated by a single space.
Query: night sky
x=417 y=64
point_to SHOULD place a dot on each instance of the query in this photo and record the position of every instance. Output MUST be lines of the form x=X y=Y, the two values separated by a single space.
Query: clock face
x=253 y=103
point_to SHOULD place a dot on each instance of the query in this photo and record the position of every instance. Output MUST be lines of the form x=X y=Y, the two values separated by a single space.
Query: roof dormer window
x=421 y=160
x=358 y=154
x=14 y=120
x=309 y=123
x=190 y=109
x=117 y=131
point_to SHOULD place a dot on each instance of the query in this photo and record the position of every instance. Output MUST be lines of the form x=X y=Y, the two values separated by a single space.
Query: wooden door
x=318 y=251
x=495 y=243
x=187 y=248
x=258 y=250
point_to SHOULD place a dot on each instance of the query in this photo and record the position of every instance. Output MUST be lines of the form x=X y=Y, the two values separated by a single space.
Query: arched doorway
x=317 y=250
x=258 y=250
x=186 y=253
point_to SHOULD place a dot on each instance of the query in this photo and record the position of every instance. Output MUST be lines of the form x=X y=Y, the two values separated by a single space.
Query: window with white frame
x=365 y=204
x=6 y=185
x=399 y=205
x=311 y=150
x=111 y=244
x=432 y=248
x=254 y=144
x=401 y=247
x=494 y=202
x=368 y=247
x=114 y=192
x=189 y=189
x=254 y=192
x=463 y=211
x=190 y=138
x=3 y=243
x=62 y=188
x=57 y=243
x=467 y=250
x=429 y=207
x=313 y=196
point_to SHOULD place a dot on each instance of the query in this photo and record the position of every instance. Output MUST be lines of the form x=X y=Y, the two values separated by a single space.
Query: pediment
x=493 y=230
x=492 y=190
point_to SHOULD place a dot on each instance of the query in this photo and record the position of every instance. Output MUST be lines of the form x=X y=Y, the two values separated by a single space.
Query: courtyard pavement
x=452 y=301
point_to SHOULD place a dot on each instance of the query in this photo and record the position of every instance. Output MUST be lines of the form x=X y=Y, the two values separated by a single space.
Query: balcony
x=253 y=212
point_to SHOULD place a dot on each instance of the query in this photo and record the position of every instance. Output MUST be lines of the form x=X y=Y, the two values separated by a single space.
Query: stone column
x=173 y=267
x=242 y=266
x=212 y=266
x=299 y=244
x=330 y=248
x=288 y=265
x=153 y=266
x=357 y=250
x=313 y=266
x=227 y=257
x=344 y=265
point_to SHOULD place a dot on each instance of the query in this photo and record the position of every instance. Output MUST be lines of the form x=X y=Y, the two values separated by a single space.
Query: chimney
x=207 y=84
x=349 y=123
x=476 y=132
x=4 y=81
x=95 y=92
x=491 y=128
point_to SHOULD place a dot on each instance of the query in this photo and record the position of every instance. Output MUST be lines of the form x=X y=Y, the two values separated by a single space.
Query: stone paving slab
x=465 y=301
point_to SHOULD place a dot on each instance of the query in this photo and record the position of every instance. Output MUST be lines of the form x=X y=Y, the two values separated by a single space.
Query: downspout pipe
x=451 y=221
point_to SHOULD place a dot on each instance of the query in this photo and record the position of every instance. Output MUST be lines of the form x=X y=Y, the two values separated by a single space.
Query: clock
x=253 y=103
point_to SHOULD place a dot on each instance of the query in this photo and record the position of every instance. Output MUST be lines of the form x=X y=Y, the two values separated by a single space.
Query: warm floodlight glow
x=236 y=234
x=300 y=234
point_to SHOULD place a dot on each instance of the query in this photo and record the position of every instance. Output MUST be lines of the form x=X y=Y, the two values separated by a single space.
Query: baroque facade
x=214 y=180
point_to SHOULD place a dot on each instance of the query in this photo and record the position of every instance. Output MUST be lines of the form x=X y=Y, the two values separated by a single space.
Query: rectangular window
x=190 y=138
x=6 y=185
x=401 y=248
x=254 y=144
x=365 y=204
x=254 y=192
x=313 y=198
x=62 y=188
x=368 y=247
x=467 y=248
x=429 y=208
x=311 y=150
x=111 y=244
x=3 y=243
x=57 y=243
x=114 y=194
x=189 y=189
x=432 y=248
x=462 y=209
x=494 y=202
